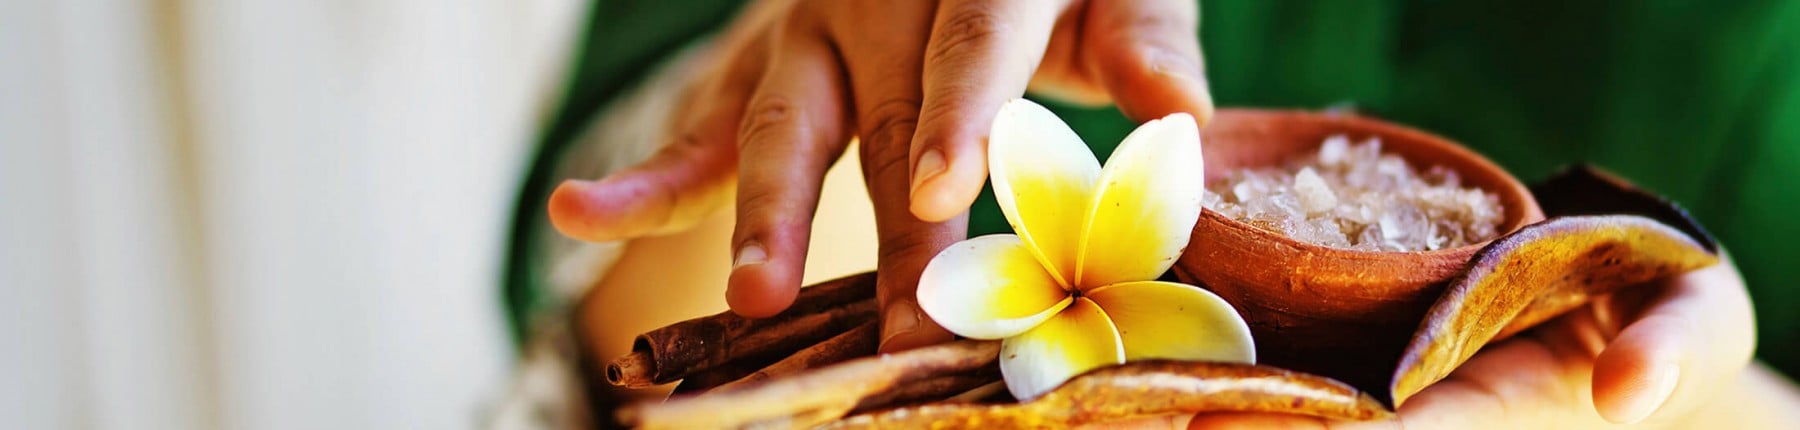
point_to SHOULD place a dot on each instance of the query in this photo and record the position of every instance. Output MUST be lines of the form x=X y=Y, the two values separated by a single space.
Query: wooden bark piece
x=670 y=353
x=701 y=382
x=1141 y=389
x=1537 y=273
x=937 y=388
x=815 y=396
x=858 y=342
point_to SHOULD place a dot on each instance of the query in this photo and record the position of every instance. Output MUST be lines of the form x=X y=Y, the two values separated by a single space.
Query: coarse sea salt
x=1353 y=196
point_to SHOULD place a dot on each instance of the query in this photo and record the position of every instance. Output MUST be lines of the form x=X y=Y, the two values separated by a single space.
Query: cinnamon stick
x=931 y=389
x=670 y=353
x=700 y=382
x=815 y=396
x=858 y=342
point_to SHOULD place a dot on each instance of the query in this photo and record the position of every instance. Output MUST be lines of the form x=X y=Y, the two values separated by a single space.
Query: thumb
x=1638 y=373
x=1696 y=332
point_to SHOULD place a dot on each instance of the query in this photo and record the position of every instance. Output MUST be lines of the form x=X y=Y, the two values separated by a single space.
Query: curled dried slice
x=1587 y=190
x=1534 y=274
x=1145 y=388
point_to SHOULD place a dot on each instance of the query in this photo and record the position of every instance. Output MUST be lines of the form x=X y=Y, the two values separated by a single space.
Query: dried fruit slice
x=1141 y=389
x=1534 y=274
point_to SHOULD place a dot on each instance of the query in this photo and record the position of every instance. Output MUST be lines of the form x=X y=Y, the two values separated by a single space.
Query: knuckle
x=804 y=16
x=1153 y=42
x=688 y=143
x=908 y=250
x=766 y=116
x=888 y=138
x=1156 y=24
x=1150 y=59
x=886 y=161
x=900 y=247
x=1169 y=18
x=892 y=122
x=968 y=29
x=943 y=114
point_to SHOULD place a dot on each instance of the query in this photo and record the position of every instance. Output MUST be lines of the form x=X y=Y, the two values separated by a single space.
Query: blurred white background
x=262 y=214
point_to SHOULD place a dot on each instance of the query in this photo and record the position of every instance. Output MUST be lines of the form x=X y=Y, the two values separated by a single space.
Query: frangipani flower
x=1076 y=289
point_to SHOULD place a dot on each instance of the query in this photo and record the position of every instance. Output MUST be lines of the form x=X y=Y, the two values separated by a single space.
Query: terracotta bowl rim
x=1530 y=211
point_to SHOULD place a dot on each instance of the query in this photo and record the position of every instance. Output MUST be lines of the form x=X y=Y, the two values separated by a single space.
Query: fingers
x=1637 y=374
x=793 y=130
x=690 y=177
x=674 y=189
x=669 y=193
x=884 y=57
x=1519 y=383
x=1063 y=75
x=1696 y=332
x=1147 y=56
x=981 y=54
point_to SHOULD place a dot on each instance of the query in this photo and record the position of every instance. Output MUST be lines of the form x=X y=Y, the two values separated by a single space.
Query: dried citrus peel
x=1142 y=389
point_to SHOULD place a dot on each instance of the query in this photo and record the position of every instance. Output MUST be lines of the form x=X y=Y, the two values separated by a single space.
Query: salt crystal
x=1352 y=196
x=1332 y=152
x=1211 y=200
x=1315 y=195
x=1246 y=191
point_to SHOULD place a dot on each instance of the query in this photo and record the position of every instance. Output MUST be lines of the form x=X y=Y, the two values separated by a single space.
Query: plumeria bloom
x=1076 y=288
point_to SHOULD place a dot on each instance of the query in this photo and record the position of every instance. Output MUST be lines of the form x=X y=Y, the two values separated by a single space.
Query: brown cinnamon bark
x=632 y=370
x=815 y=396
x=700 y=382
x=858 y=342
x=688 y=347
x=938 y=388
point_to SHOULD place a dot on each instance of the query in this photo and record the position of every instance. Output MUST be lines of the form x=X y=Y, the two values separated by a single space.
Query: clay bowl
x=1336 y=312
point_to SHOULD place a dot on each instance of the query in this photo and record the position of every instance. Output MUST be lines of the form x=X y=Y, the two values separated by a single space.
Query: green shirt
x=1696 y=100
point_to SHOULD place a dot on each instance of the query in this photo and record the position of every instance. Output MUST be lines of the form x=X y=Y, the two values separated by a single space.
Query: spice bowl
x=1336 y=312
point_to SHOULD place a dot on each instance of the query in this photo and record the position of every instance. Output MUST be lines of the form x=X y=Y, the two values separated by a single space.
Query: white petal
x=1078 y=339
x=1145 y=206
x=1043 y=178
x=1175 y=321
x=989 y=287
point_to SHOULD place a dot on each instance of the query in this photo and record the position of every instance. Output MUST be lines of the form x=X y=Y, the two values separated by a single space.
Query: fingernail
x=900 y=320
x=1665 y=380
x=750 y=253
x=930 y=164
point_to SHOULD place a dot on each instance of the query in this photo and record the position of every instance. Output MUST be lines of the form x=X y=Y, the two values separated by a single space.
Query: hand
x=919 y=82
x=1648 y=356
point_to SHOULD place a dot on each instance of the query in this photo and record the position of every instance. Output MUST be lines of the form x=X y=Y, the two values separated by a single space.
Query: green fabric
x=1697 y=100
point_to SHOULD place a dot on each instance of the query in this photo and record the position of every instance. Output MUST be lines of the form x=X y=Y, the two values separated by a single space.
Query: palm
x=1605 y=358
